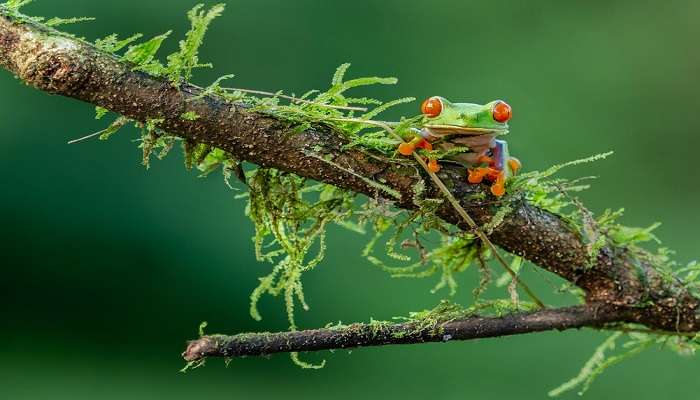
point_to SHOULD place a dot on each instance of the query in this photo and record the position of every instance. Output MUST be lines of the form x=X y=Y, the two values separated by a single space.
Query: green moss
x=600 y=361
x=143 y=56
x=100 y=112
x=15 y=5
x=106 y=133
x=202 y=326
x=112 y=44
x=53 y=22
x=190 y=116
x=378 y=326
x=290 y=218
x=303 y=364
x=498 y=217
x=181 y=63
x=431 y=320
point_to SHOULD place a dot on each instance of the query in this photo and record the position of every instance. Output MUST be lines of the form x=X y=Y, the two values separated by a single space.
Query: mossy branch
x=383 y=333
x=60 y=64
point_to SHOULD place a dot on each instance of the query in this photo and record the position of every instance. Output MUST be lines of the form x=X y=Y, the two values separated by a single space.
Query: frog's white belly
x=478 y=144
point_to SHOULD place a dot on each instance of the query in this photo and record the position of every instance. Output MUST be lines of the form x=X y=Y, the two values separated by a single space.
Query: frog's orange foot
x=499 y=185
x=498 y=177
x=498 y=189
x=514 y=165
x=433 y=166
x=407 y=148
x=493 y=174
x=477 y=175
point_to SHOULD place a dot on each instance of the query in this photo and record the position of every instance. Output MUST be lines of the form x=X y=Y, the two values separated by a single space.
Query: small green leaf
x=181 y=64
x=202 y=326
x=142 y=55
x=114 y=128
x=100 y=112
x=629 y=235
x=15 y=5
x=112 y=44
x=385 y=106
x=65 y=21
x=339 y=74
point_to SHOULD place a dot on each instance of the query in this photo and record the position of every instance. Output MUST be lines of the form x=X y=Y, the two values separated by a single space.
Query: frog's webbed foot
x=407 y=149
x=477 y=175
x=498 y=177
x=433 y=165
x=498 y=188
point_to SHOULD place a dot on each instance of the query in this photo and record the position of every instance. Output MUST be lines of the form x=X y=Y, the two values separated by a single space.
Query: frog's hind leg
x=502 y=159
x=499 y=153
x=503 y=166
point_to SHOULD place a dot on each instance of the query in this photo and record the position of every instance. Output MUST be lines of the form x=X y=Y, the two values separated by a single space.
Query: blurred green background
x=107 y=268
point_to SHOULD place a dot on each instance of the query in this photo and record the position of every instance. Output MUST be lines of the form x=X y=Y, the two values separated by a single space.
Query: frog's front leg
x=500 y=166
x=420 y=141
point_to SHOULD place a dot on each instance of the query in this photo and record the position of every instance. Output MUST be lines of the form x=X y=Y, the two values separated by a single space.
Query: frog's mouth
x=442 y=130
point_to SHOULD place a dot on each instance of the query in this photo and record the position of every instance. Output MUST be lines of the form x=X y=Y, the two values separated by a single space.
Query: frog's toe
x=498 y=189
x=514 y=164
x=477 y=175
x=433 y=166
x=499 y=185
x=407 y=148
x=493 y=174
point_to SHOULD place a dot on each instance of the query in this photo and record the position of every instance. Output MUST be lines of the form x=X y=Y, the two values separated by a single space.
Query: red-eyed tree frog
x=475 y=126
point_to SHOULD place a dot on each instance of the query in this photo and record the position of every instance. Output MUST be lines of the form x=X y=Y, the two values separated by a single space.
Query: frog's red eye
x=431 y=107
x=501 y=111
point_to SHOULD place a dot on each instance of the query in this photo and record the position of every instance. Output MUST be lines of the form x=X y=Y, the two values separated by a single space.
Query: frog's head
x=445 y=118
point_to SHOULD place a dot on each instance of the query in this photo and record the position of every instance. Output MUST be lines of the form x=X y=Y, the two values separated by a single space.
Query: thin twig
x=90 y=136
x=413 y=332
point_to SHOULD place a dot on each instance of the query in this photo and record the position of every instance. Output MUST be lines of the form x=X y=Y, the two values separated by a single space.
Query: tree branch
x=380 y=334
x=59 y=64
